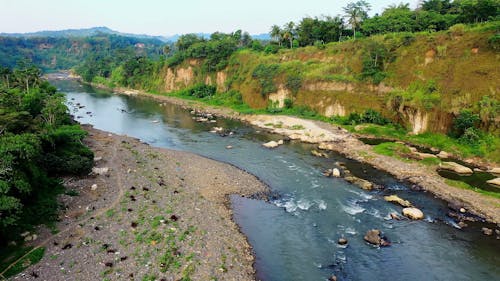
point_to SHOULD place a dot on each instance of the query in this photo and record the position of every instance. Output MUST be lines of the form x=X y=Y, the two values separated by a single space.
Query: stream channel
x=294 y=235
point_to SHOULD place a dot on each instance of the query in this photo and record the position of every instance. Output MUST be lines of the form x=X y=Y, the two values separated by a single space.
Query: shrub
x=494 y=41
x=271 y=49
x=457 y=29
x=465 y=120
x=294 y=82
x=471 y=136
x=265 y=74
x=288 y=103
x=201 y=90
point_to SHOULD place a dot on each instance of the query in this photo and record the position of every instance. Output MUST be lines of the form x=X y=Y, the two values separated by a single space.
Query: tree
x=356 y=12
x=289 y=32
x=276 y=34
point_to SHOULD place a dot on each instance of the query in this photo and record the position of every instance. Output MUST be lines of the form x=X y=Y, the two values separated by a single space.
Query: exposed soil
x=156 y=215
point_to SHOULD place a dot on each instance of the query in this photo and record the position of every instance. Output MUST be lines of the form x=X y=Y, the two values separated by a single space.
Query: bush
x=265 y=74
x=457 y=29
x=288 y=103
x=271 y=49
x=464 y=121
x=471 y=136
x=201 y=90
x=494 y=41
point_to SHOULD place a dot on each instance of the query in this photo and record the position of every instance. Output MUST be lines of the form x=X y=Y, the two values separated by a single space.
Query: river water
x=294 y=235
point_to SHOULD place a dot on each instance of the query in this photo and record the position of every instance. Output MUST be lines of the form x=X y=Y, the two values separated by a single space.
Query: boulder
x=413 y=213
x=364 y=184
x=332 y=278
x=443 y=155
x=395 y=216
x=455 y=167
x=280 y=142
x=495 y=182
x=93 y=187
x=328 y=173
x=326 y=146
x=487 y=231
x=336 y=172
x=495 y=171
x=229 y=147
x=396 y=199
x=271 y=144
x=373 y=237
x=319 y=154
x=342 y=241
x=100 y=171
x=422 y=156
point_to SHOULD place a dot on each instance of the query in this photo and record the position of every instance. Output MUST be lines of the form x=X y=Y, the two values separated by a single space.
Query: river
x=294 y=235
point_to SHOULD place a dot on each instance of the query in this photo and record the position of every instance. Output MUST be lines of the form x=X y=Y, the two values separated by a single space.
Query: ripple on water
x=352 y=207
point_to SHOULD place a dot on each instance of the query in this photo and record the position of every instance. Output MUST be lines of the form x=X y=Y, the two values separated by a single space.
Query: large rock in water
x=396 y=199
x=455 y=167
x=495 y=171
x=373 y=237
x=495 y=182
x=413 y=213
x=364 y=184
x=271 y=144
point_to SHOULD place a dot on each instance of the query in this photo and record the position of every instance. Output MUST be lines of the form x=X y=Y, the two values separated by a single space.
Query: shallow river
x=295 y=234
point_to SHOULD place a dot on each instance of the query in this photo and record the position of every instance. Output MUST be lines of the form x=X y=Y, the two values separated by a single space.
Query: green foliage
x=391 y=149
x=288 y=103
x=265 y=75
x=369 y=116
x=271 y=49
x=294 y=82
x=34 y=257
x=418 y=95
x=465 y=120
x=494 y=41
x=37 y=142
x=201 y=90
x=374 y=57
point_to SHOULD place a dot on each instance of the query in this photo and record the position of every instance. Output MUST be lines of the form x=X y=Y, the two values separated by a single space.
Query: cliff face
x=460 y=68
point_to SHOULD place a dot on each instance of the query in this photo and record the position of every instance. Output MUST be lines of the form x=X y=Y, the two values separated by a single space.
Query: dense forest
x=57 y=53
x=39 y=142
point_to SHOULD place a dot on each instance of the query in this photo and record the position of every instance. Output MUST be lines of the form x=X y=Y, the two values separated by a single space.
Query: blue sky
x=166 y=17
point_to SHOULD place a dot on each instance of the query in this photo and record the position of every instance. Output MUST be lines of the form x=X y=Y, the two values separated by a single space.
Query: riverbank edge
x=99 y=141
x=425 y=177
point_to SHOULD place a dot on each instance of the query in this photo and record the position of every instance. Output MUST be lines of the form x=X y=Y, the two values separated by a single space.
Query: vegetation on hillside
x=38 y=143
x=59 y=53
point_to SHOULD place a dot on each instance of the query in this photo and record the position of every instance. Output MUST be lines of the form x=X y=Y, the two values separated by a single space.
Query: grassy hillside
x=399 y=74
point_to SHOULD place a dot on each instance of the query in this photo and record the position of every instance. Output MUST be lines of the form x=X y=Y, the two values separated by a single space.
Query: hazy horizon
x=161 y=18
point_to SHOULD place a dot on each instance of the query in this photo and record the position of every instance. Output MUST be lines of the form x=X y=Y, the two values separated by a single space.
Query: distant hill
x=84 y=32
x=87 y=32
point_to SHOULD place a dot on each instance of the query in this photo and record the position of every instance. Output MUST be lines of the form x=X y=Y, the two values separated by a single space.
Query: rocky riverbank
x=148 y=214
x=334 y=138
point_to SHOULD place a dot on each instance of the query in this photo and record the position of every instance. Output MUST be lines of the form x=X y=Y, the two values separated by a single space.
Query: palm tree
x=356 y=12
x=276 y=33
x=289 y=32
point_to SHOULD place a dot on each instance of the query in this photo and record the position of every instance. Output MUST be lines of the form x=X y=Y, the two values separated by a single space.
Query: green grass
x=31 y=259
x=430 y=161
x=391 y=149
x=467 y=186
x=488 y=147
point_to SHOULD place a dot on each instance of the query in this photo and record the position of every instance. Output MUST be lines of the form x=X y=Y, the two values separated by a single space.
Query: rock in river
x=495 y=182
x=455 y=167
x=413 y=213
x=364 y=184
x=396 y=199
x=271 y=144
x=373 y=237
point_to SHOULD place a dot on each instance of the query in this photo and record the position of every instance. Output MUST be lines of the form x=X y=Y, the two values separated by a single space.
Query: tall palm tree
x=356 y=12
x=276 y=33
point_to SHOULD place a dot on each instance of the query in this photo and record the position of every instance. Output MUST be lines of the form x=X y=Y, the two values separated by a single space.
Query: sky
x=157 y=17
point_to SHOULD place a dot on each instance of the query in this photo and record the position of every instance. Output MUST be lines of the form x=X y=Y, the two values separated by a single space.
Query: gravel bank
x=155 y=215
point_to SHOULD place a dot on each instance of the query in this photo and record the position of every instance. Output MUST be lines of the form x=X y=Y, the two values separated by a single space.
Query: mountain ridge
x=85 y=32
